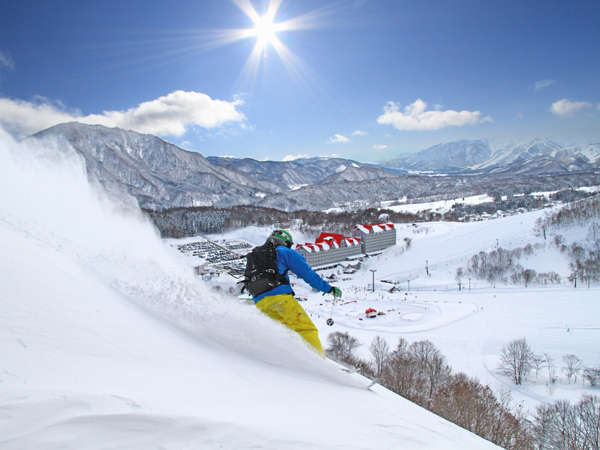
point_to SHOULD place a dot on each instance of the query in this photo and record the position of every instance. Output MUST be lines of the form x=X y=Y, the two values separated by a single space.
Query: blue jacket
x=288 y=258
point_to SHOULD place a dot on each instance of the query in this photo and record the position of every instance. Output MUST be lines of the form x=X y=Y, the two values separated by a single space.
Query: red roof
x=336 y=237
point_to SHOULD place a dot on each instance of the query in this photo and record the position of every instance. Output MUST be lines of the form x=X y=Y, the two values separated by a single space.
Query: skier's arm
x=297 y=264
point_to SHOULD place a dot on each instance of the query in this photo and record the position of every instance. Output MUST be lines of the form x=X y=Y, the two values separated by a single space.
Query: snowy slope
x=108 y=341
x=471 y=326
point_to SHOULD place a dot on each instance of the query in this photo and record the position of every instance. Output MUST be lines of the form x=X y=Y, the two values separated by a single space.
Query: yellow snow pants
x=285 y=309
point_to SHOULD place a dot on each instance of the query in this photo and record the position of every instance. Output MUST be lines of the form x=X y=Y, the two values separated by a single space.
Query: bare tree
x=468 y=403
x=460 y=273
x=431 y=364
x=538 y=363
x=592 y=375
x=551 y=371
x=381 y=352
x=516 y=360
x=528 y=276
x=572 y=367
x=562 y=425
x=588 y=411
x=341 y=346
x=402 y=375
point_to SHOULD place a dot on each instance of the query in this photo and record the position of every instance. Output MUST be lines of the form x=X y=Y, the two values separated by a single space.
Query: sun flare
x=264 y=30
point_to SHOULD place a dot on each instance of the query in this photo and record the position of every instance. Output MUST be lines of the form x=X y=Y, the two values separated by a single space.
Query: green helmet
x=284 y=236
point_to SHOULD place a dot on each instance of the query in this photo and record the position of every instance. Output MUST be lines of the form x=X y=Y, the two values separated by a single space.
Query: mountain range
x=160 y=175
x=536 y=157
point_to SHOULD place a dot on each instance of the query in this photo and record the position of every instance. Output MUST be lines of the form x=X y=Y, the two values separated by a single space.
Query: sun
x=265 y=31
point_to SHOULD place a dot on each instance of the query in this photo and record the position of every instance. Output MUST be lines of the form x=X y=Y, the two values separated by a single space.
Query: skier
x=267 y=280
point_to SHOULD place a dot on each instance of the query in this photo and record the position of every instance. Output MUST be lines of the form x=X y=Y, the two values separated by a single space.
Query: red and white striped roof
x=331 y=241
x=336 y=240
x=326 y=243
x=352 y=241
x=311 y=247
x=374 y=228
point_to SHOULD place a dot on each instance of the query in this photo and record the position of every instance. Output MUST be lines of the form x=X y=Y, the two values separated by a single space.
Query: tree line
x=185 y=222
x=575 y=213
x=518 y=360
x=501 y=265
x=561 y=425
x=419 y=372
x=584 y=254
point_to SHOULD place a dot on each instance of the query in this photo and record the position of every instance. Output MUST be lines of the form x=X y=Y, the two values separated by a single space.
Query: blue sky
x=364 y=79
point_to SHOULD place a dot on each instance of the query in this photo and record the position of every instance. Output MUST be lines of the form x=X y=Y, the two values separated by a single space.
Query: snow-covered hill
x=157 y=173
x=290 y=175
x=449 y=157
x=108 y=341
x=538 y=156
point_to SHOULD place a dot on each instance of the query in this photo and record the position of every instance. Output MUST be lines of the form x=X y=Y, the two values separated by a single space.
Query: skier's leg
x=286 y=309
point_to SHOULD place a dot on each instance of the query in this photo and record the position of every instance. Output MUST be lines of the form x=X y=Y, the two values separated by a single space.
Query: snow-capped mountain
x=592 y=153
x=287 y=175
x=355 y=174
x=157 y=173
x=292 y=175
x=450 y=157
x=539 y=156
x=160 y=175
x=522 y=152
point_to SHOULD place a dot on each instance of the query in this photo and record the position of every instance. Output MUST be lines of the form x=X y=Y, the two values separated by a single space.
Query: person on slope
x=266 y=278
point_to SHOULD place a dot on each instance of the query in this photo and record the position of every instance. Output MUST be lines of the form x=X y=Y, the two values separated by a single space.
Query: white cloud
x=520 y=116
x=415 y=117
x=6 y=60
x=359 y=133
x=566 y=107
x=169 y=115
x=338 y=139
x=543 y=84
x=380 y=147
x=487 y=119
x=24 y=118
x=293 y=157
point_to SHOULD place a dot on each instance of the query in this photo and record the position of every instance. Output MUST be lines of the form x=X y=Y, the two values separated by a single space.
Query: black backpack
x=261 y=273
